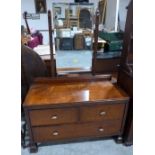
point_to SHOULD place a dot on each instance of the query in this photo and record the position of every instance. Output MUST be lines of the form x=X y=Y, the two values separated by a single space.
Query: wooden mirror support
x=26 y=22
x=96 y=32
x=53 y=63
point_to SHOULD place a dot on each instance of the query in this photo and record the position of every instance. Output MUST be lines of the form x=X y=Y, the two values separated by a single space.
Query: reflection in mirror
x=73 y=24
x=111 y=29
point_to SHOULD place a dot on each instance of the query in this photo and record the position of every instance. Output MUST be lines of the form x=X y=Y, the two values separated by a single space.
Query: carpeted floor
x=100 y=147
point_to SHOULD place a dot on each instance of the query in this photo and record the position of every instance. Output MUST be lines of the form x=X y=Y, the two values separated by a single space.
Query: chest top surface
x=72 y=92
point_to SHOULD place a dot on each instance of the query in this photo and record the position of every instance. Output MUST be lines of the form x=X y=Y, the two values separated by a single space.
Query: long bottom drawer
x=62 y=132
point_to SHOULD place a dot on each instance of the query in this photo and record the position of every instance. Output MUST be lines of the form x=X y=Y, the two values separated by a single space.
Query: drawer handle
x=54 y=117
x=55 y=133
x=102 y=113
x=101 y=129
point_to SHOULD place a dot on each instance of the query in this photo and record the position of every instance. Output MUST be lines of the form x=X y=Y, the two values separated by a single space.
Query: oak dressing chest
x=67 y=109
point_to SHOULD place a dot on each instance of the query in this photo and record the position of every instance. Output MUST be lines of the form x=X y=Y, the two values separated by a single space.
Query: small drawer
x=72 y=131
x=53 y=116
x=102 y=112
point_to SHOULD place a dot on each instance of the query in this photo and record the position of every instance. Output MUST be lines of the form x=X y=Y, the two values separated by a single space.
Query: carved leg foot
x=23 y=135
x=128 y=144
x=22 y=139
x=119 y=140
x=33 y=148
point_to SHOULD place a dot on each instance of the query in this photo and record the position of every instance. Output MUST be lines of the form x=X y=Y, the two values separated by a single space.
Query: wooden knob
x=101 y=129
x=54 y=117
x=55 y=133
x=102 y=113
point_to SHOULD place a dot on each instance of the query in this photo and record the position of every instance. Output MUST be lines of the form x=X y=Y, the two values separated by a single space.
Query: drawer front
x=102 y=112
x=53 y=116
x=64 y=132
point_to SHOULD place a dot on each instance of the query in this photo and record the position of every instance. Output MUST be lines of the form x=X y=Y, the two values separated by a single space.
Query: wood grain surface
x=58 y=93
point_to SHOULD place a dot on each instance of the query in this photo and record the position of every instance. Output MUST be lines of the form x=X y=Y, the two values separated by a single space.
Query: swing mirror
x=73 y=27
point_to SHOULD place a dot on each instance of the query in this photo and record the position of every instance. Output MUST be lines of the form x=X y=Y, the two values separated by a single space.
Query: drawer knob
x=54 y=117
x=101 y=129
x=102 y=113
x=55 y=133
